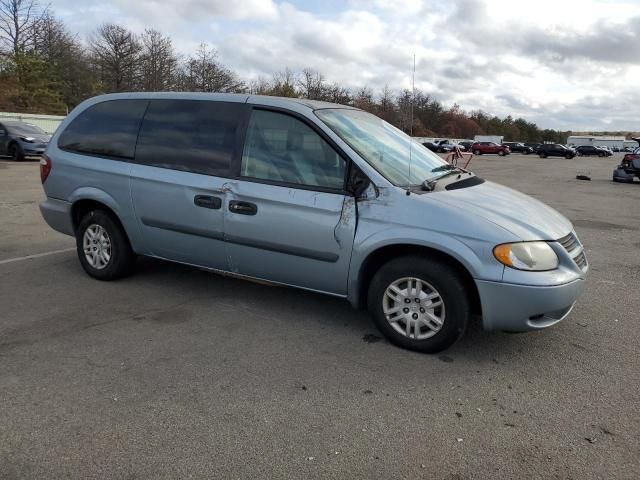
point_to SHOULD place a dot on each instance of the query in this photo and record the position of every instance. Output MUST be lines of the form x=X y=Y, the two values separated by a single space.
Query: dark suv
x=590 y=150
x=480 y=148
x=555 y=150
x=517 y=147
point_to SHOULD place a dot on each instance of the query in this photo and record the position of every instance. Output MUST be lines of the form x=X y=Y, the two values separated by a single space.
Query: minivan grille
x=573 y=246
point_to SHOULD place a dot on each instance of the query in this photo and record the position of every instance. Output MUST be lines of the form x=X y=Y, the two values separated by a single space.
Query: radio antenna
x=413 y=97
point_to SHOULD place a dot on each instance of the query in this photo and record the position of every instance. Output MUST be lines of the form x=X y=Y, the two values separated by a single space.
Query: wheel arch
x=378 y=257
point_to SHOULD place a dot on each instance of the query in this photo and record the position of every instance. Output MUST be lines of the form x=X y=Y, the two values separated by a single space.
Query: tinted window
x=281 y=148
x=108 y=128
x=190 y=135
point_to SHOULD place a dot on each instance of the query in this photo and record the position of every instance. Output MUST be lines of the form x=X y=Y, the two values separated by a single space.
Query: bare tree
x=18 y=22
x=203 y=73
x=312 y=85
x=284 y=84
x=158 y=62
x=115 y=53
x=260 y=86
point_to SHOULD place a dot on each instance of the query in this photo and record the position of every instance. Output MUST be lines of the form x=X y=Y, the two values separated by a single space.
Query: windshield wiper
x=430 y=184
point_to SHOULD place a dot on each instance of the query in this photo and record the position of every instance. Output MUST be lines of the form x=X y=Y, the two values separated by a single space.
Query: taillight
x=45 y=167
x=629 y=157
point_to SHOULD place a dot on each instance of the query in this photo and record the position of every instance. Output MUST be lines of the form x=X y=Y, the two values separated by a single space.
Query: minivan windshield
x=383 y=146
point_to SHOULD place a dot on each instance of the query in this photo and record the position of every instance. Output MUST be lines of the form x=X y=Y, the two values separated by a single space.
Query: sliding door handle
x=243 y=208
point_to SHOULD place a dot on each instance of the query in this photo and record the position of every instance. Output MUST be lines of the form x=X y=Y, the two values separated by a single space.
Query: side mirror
x=358 y=182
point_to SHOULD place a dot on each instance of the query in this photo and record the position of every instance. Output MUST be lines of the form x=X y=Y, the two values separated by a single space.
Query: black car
x=20 y=140
x=555 y=150
x=466 y=144
x=517 y=147
x=590 y=150
x=535 y=146
x=431 y=146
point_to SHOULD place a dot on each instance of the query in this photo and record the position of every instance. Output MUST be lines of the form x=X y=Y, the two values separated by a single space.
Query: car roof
x=284 y=102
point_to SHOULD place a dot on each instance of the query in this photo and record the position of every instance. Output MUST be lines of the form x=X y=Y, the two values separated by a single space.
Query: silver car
x=20 y=140
x=312 y=195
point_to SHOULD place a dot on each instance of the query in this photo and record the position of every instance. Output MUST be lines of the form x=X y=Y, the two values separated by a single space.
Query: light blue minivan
x=312 y=195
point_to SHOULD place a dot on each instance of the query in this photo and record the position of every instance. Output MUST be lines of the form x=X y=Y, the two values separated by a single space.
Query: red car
x=480 y=148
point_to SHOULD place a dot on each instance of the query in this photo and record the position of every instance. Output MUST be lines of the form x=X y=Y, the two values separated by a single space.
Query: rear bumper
x=57 y=214
x=521 y=308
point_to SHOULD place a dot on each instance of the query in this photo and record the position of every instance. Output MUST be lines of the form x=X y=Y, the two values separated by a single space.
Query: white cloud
x=564 y=64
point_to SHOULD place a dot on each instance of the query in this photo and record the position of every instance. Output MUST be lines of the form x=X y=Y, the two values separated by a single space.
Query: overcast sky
x=565 y=64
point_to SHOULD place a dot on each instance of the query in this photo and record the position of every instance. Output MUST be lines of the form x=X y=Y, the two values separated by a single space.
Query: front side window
x=387 y=149
x=190 y=135
x=105 y=129
x=280 y=148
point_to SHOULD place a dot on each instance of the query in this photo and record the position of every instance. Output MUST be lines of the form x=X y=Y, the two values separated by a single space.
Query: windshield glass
x=25 y=129
x=383 y=146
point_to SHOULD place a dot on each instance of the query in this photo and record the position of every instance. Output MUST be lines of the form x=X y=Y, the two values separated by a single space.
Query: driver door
x=4 y=140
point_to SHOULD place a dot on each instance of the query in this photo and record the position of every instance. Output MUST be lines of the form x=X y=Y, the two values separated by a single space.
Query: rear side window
x=105 y=129
x=190 y=135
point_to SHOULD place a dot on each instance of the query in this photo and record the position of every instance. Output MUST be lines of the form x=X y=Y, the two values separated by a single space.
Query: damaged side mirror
x=358 y=183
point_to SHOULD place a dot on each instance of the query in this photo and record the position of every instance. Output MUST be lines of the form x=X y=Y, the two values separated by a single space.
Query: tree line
x=45 y=68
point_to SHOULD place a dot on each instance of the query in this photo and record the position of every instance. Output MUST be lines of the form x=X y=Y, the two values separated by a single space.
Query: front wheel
x=419 y=303
x=476 y=152
x=16 y=153
x=103 y=247
x=501 y=153
x=568 y=156
x=543 y=155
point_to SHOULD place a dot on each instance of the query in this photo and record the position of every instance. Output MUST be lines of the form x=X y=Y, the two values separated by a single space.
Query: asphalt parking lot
x=180 y=373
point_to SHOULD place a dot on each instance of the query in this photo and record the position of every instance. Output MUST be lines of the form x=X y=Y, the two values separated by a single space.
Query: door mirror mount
x=359 y=184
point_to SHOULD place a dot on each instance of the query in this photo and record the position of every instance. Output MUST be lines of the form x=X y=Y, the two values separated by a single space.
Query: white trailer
x=596 y=140
x=489 y=138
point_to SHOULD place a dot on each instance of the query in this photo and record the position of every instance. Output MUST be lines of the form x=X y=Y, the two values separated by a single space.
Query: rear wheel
x=476 y=152
x=16 y=153
x=568 y=156
x=419 y=304
x=543 y=155
x=601 y=154
x=103 y=247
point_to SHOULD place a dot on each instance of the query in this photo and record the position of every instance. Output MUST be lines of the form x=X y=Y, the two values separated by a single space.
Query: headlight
x=28 y=139
x=532 y=256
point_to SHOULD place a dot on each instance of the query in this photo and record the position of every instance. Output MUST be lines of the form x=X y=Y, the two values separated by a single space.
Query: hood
x=516 y=212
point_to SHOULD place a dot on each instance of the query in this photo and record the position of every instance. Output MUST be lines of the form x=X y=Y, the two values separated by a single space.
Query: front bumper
x=57 y=214
x=521 y=308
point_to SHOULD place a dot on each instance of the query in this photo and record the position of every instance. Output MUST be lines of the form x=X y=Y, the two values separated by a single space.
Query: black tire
x=448 y=284
x=122 y=258
x=16 y=153
x=543 y=155
x=501 y=153
x=568 y=156
x=526 y=152
x=601 y=154
x=477 y=152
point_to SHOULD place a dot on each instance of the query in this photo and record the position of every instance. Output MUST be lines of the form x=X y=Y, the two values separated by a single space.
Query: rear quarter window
x=107 y=129
x=196 y=136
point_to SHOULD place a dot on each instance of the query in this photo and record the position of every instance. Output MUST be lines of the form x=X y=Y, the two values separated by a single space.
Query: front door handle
x=243 y=208
x=207 y=201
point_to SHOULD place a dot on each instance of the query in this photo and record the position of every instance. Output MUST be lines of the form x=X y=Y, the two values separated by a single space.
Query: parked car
x=590 y=150
x=517 y=147
x=466 y=144
x=445 y=146
x=311 y=195
x=20 y=140
x=535 y=146
x=481 y=148
x=629 y=167
x=431 y=146
x=555 y=150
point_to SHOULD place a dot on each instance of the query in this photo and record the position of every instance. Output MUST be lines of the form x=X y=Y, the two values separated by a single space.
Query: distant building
x=597 y=140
